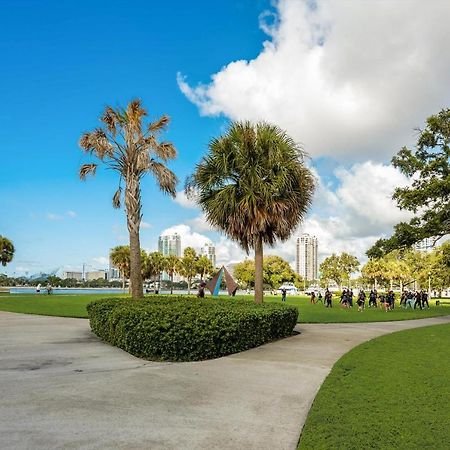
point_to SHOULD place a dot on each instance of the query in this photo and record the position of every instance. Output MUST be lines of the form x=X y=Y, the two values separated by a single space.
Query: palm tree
x=152 y=266
x=171 y=264
x=120 y=257
x=188 y=265
x=128 y=147
x=204 y=266
x=6 y=251
x=254 y=186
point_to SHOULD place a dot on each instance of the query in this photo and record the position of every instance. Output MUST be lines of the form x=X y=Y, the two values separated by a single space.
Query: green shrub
x=174 y=328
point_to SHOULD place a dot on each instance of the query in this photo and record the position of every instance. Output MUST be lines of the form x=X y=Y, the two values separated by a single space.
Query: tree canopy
x=428 y=195
x=254 y=186
x=338 y=268
x=276 y=271
x=132 y=149
x=6 y=251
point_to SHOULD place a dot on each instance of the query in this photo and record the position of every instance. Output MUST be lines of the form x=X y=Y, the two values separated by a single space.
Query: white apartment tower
x=306 y=260
x=170 y=245
x=209 y=251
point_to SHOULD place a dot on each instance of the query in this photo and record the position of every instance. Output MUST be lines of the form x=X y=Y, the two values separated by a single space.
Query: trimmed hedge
x=188 y=329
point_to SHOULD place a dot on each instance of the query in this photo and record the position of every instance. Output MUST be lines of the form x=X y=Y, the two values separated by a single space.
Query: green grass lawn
x=389 y=393
x=74 y=305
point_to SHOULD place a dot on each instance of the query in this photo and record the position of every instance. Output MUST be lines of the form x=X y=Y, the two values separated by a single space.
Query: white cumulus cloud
x=347 y=79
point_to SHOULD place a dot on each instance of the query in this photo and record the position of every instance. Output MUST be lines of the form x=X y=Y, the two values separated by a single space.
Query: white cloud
x=347 y=79
x=72 y=214
x=101 y=260
x=189 y=238
x=184 y=201
x=53 y=216
x=200 y=224
x=146 y=225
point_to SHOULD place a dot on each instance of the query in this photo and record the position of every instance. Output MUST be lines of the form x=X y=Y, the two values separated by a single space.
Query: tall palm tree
x=127 y=146
x=6 y=251
x=120 y=257
x=254 y=186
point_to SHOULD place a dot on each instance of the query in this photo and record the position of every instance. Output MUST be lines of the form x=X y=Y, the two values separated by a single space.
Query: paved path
x=60 y=388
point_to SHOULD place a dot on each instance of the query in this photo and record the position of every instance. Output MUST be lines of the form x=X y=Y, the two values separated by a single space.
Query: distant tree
x=254 y=186
x=188 y=266
x=428 y=196
x=127 y=146
x=6 y=251
x=120 y=257
x=276 y=271
x=244 y=273
x=339 y=267
x=204 y=267
x=171 y=265
x=152 y=265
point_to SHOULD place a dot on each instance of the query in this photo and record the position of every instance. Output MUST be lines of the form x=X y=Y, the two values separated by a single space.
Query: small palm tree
x=204 y=266
x=253 y=185
x=6 y=251
x=120 y=257
x=188 y=266
x=171 y=264
x=128 y=147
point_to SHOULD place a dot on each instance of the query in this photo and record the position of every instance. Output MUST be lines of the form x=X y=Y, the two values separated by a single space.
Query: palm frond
x=165 y=151
x=159 y=124
x=87 y=169
x=166 y=179
x=116 y=198
x=134 y=114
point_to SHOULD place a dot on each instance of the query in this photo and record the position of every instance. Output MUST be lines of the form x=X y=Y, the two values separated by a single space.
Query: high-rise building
x=170 y=245
x=306 y=260
x=113 y=272
x=209 y=251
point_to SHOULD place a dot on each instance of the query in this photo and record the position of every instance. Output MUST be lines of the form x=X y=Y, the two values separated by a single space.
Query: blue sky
x=63 y=62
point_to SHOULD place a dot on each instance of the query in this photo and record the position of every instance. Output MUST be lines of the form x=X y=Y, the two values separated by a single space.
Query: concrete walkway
x=61 y=388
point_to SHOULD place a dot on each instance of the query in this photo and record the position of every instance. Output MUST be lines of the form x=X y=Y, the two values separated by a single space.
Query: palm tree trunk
x=171 y=283
x=258 y=270
x=189 y=285
x=133 y=205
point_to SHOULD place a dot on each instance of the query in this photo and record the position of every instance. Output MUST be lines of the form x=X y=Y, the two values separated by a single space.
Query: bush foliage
x=188 y=329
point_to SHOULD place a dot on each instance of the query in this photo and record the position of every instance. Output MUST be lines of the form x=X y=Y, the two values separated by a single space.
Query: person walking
x=283 y=294
x=313 y=298
x=328 y=296
x=424 y=298
x=409 y=299
x=372 y=299
x=417 y=300
x=319 y=298
x=361 y=300
x=350 y=297
x=391 y=297
x=38 y=288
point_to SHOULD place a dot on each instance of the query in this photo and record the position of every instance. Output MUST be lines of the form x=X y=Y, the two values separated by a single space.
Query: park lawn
x=74 y=305
x=389 y=393
x=70 y=305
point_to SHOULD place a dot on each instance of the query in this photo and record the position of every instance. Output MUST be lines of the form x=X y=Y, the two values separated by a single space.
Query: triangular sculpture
x=214 y=284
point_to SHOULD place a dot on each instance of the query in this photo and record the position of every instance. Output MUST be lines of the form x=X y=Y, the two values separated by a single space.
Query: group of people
x=49 y=289
x=387 y=300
